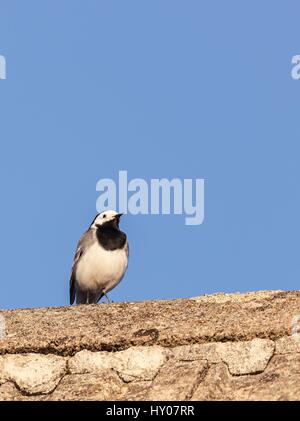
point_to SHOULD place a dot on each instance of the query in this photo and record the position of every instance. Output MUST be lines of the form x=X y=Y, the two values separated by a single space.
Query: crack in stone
x=33 y=394
x=201 y=377
x=122 y=347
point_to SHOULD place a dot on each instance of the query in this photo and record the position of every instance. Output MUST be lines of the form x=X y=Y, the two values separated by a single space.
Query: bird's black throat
x=110 y=237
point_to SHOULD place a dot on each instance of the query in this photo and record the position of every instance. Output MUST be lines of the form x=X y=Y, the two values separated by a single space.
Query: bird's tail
x=86 y=297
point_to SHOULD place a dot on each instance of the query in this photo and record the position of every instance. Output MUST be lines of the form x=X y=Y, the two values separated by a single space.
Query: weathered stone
x=223 y=346
x=109 y=327
x=208 y=352
x=255 y=298
x=90 y=362
x=138 y=363
x=9 y=392
x=106 y=386
x=287 y=345
x=280 y=381
x=177 y=380
x=243 y=357
x=135 y=391
x=246 y=357
x=32 y=373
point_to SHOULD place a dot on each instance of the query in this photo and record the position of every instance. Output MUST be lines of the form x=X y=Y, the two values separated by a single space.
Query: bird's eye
x=104 y=216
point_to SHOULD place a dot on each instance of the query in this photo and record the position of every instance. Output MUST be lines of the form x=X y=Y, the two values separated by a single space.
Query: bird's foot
x=109 y=301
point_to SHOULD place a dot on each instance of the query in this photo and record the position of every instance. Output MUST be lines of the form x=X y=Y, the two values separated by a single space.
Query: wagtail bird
x=100 y=261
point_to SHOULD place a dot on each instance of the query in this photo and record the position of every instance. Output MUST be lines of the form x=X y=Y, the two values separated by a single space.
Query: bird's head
x=107 y=218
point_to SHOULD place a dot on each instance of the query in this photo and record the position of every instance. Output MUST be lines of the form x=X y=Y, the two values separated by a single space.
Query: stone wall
x=214 y=347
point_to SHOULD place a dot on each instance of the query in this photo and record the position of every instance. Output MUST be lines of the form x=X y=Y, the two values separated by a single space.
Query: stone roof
x=213 y=347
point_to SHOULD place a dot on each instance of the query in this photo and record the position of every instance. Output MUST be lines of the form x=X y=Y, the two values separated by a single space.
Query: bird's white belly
x=100 y=269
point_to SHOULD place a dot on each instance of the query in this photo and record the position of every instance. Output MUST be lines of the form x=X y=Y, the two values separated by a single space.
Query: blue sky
x=187 y=89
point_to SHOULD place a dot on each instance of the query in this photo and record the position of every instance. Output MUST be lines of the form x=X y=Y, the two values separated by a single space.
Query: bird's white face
x=103 y=217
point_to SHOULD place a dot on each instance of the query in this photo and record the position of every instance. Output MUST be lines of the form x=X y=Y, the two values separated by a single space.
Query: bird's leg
x=106 y=296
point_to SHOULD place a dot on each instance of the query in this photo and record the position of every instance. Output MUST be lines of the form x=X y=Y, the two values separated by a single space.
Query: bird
x=100 y=261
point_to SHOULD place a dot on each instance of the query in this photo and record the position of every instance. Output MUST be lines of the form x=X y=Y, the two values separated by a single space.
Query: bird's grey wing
x=85 y=241
x=78 y=254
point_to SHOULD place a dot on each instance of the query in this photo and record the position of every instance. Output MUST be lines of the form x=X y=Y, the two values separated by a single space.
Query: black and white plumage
x=100 y=261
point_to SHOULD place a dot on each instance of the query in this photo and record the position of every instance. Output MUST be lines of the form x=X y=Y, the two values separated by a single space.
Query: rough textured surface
x=32 y=373
x=137 y=363
x=246 y=357
x=223 y=346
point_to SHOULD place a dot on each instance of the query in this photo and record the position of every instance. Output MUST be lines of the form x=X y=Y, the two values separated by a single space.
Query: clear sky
x=188 y=89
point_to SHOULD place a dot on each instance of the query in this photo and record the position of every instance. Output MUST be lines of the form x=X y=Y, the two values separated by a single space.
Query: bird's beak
x=118 y=216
